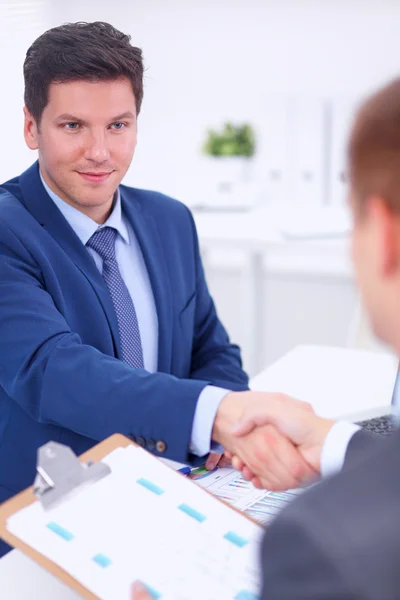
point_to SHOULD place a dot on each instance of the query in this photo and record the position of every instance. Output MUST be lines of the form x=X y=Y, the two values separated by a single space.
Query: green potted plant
x=230 y=150
x=232 y=140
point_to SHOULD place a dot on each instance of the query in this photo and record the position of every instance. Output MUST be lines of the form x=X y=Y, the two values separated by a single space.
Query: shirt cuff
x=204 y=417
x=335 y=446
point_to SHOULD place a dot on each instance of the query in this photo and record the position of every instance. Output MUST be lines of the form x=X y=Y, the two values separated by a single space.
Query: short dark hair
x=374 y=148
x=80 y=51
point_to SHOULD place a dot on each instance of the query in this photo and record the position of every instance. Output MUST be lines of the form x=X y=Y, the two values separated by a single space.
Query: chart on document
x=228 y=485
x=146 y=522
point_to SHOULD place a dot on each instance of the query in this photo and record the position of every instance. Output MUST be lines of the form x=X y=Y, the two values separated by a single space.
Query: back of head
x=374 y=149
x=80 y=51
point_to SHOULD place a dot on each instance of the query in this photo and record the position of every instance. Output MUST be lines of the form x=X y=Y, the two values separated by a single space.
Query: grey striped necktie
x=103 y=242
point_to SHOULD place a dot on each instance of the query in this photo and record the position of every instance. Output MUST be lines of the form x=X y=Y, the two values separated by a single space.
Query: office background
x=294 y=70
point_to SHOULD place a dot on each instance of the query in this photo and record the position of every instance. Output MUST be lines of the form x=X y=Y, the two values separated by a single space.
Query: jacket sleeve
x=214 y=358
x=56 y=379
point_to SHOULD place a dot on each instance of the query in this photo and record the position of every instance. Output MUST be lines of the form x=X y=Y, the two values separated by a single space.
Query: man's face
x=86 y=141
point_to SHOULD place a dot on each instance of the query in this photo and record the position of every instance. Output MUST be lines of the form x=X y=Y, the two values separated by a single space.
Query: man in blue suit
x=106 y=322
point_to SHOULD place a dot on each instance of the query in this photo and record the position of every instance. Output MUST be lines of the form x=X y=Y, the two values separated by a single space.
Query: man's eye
x=118 y=126
x=71 y=126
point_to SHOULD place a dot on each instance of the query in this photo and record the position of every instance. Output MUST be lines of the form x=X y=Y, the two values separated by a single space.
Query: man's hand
x=269 y=455
x=214 y=459
x=272 y=461
x=294 y=419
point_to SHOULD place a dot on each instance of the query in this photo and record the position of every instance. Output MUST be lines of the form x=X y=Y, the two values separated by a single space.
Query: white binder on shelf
x=342 y=112
x=308 y=150
x=271 y=159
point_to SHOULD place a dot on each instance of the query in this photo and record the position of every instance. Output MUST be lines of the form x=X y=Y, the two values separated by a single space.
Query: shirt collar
x=83 y=225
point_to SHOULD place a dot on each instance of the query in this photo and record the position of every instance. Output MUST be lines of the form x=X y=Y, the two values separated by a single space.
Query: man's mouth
x=95 y=176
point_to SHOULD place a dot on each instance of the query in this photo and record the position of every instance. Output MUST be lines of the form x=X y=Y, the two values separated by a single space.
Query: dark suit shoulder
x=296 y=566
x=11 y=182
x=154 y=202
x=11 y=207
x=172 y=218
x=14 y=215
x=349 y=525
x=12 y=186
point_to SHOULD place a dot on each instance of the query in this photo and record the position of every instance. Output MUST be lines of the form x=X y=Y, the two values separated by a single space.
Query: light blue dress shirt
x=134 y=273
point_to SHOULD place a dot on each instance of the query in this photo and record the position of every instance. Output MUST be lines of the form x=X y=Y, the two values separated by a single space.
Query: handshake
x=273 y=439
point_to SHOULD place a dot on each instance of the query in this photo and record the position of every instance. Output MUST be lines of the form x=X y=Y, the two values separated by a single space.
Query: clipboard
x=28 y=497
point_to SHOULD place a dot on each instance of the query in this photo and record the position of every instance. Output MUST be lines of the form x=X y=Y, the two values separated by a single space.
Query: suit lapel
x=41 y=206
x=146 y=231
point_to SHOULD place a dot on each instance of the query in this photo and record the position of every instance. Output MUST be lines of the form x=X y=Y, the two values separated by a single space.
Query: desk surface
x=339 y=383
x=22 y=579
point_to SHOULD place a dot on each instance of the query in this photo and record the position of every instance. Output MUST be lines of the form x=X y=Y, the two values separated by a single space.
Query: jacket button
x=161 y=446
x=141 y=441
x=151 y=445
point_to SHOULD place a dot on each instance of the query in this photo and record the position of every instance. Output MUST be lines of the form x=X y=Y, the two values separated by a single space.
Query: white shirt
x=134 y=273
x=335 y=447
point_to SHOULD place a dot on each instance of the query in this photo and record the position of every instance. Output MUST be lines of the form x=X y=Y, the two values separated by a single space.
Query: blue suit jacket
x=61 y=377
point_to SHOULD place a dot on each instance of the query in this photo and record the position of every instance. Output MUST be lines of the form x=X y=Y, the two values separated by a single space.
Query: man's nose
x=96 y=148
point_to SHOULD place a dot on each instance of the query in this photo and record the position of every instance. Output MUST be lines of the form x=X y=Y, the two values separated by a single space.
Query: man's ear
x=30 y=130
x=384 y=227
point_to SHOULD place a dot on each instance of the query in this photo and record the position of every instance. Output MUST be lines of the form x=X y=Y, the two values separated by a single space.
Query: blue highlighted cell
x=63 y=533
x=150 y=486
x=102 y=561
x=246 y=595
x=236 y=539
x=192 y=512
x=153 y=593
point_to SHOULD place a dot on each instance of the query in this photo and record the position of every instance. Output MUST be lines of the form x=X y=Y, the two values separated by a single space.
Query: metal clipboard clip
x=60 y=474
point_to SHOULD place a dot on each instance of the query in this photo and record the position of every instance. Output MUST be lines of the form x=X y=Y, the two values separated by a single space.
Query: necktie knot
x=103 y=242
